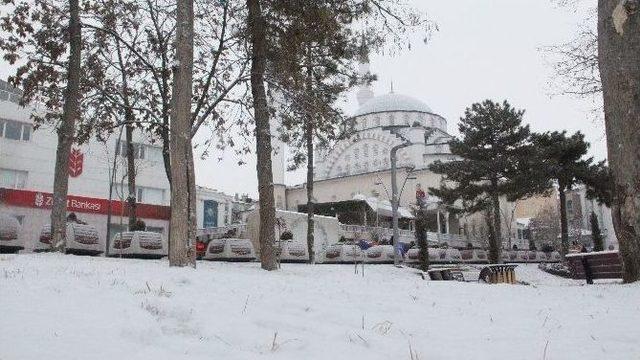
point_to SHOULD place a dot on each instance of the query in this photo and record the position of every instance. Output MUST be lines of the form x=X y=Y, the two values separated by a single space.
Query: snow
x=69 y=307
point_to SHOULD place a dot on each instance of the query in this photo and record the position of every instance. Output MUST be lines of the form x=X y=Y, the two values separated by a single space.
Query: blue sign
x=210 y=216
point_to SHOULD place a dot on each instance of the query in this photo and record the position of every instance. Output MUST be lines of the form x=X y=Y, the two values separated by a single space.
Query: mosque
x=353 y=177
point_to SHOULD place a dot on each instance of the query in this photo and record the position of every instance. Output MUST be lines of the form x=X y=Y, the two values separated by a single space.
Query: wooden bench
x=498 y=273
x=445 y=274
x=595 y=265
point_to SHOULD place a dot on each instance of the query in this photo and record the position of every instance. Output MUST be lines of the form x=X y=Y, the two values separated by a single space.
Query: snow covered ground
x=68 y=307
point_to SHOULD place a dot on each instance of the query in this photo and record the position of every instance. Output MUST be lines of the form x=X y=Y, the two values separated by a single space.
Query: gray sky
x=484 y=49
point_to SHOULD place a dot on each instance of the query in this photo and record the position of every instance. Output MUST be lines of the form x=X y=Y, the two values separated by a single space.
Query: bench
x=498 y=273
x=445 y=274
x=595 y=265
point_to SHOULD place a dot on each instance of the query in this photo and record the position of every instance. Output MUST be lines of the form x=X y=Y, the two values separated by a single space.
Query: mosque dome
x=392 y=102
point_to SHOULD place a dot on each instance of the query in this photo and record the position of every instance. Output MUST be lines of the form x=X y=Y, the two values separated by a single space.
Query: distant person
x=73 y=218
x=364 y=244
x=139 y=225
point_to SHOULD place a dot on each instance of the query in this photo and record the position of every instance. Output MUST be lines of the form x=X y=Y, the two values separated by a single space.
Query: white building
x=27 y=160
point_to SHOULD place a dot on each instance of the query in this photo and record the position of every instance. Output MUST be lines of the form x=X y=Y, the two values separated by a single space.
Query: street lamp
x=395 y=199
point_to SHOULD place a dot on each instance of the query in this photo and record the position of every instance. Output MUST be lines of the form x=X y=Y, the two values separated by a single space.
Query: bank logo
x=75 y=162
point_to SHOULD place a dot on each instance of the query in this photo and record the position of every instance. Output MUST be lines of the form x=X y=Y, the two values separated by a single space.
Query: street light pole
x=395 y=201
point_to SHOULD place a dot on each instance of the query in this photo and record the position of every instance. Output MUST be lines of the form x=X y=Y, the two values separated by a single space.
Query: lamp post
x=395 y=200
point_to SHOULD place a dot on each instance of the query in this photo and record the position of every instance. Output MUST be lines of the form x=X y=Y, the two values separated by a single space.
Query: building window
x=138 y=150
x=375 y=150
x=392 y=120
x=153 y=153
x=377 y=120
x=13 y=179
x=356 y=153
x=15 y=130
x=365 y=150
x=149 y=195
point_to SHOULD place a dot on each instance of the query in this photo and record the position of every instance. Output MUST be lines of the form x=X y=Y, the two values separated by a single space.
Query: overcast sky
x=484 y=49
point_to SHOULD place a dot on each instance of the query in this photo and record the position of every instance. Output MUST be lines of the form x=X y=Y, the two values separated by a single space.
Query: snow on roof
x=383 y=207
x=523 y=221
x=392 y=102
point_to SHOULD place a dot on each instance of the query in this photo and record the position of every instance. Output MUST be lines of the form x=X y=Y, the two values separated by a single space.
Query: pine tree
x=493 y=161
x=561 y=158
x=596 y=235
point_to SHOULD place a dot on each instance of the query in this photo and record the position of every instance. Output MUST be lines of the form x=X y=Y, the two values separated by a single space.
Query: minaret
x=278 y=165
x=365 y=93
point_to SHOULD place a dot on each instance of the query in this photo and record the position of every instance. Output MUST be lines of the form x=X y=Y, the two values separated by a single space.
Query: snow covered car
x=9 y=227
x=380 y=254
x=343 y=253
x=230 y=250
x=289 y=251
x=475 y=256
x=142 y=244
x=81 y=239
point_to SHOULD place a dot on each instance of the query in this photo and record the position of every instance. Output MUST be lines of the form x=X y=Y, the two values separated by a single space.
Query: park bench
x=445 y=274
x=498 y=273
x=595 y=265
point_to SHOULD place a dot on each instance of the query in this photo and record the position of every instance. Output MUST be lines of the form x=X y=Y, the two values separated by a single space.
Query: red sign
x=81 y=204
x=75 y=163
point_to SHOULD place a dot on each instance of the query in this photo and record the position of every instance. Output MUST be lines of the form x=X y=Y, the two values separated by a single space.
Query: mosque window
x=347 y=158
x=392 y=120
x=365 y=150
x=365 y=123
x=356 y=153
x=365 y=167
x=347 y=169
x=376 y=120
x=375 y=150
x=406 y=119
x=339 y=170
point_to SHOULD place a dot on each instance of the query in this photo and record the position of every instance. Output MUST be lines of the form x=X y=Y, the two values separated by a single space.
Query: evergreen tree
x=596 y=235
x=493 y=161
x=561 y=159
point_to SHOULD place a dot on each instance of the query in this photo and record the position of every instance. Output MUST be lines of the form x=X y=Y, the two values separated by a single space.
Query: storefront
x=32 y=209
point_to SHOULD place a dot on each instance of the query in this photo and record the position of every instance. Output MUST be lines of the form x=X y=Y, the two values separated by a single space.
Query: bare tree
x=618 y=54
x=66 y=131
x=182 y=225
x=257 y=31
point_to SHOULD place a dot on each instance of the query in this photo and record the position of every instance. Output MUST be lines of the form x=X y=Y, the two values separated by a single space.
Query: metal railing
x=453 y=240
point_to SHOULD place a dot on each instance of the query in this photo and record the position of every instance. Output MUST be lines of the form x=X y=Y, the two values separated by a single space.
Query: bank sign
x=80 y=204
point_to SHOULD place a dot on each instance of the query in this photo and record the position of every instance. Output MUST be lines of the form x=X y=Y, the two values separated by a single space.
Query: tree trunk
x=129 y=119
x=66 y=131
x=421 y=236
x=131 y=170
x=180 y=252
x=495 y=241
x=564 y=224
x=618 y=54
x=263 y=136
x=310 y=200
